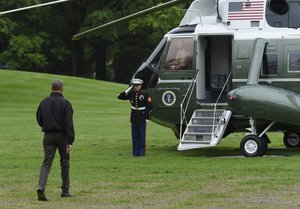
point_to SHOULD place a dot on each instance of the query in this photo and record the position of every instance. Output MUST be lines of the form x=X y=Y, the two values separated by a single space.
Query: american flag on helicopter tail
x=246 y=10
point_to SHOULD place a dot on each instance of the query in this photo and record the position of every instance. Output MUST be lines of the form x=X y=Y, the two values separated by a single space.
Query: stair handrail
x=216 y=104
x=224 y=86
x=188 y=95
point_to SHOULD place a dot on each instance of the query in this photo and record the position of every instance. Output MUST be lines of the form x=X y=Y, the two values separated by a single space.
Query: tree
x=26 y=52
x=20 y=50
x=53 y=27
x=100 y=43
x=6 y=31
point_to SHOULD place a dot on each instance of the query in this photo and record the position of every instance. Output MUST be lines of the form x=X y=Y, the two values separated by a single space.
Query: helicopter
x=230 y=66
x=241 y=73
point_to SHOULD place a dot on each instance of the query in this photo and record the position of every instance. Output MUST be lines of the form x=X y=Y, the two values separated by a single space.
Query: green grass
x=103 y=173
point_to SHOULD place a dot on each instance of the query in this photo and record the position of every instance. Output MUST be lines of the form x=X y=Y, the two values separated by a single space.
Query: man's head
x=137 y=83
x=57 y=85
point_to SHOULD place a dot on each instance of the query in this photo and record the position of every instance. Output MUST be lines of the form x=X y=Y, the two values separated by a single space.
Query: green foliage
x=52 y=27
x=97 y=18
x=160 y=23
x=9 y=4
x=60 y=53
x=41 y=38
x=6 y=31
x=6 y=27
x=25 y=52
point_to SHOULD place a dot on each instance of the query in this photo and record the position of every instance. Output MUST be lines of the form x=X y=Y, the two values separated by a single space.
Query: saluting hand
x=69 y=148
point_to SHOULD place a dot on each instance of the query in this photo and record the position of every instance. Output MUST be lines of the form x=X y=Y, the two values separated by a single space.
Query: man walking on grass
x=55 y=116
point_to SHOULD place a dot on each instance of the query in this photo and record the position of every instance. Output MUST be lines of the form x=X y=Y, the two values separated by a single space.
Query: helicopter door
x=213 y=65
x=200 y=80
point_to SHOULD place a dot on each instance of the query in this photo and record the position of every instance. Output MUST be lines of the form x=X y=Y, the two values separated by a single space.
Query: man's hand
x=69 y=148
x=128 y=90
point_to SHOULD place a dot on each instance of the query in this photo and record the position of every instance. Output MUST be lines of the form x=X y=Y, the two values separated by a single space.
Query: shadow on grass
x=203 y=152
x=223 y=151
x=283 y=151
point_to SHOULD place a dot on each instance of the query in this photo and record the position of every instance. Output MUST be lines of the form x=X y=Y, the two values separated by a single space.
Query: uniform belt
x=138 y=108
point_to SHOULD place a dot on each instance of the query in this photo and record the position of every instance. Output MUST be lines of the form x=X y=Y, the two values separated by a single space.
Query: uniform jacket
x=141 y=106
x=55 y=114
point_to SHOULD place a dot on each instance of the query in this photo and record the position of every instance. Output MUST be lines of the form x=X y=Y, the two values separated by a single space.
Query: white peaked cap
x=136 y=81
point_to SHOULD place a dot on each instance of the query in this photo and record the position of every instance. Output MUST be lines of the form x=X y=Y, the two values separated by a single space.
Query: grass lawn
x=105 y=175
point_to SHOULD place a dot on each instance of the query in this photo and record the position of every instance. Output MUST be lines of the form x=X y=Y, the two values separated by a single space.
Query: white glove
x=127 y=90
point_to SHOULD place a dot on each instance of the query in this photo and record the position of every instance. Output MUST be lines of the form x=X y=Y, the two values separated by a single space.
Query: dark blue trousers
x=138 y=139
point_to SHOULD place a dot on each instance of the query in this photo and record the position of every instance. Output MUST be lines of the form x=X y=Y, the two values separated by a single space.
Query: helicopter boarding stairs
x=206 y=126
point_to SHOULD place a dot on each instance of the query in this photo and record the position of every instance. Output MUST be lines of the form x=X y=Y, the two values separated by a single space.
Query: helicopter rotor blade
x=33 y=6
x=127 y=18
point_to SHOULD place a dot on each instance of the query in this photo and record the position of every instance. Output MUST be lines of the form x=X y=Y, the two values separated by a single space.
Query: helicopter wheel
x=291 y=140
x=253 y=146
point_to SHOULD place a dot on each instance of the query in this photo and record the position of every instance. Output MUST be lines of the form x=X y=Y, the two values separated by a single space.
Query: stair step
x=200 y=129
x=195 y=142
x=196 y=137
x=199 y=134
x=187 y=146
x=204 y=121
x=208 y=113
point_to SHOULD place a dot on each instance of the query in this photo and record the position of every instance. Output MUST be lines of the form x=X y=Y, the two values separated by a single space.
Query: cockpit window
x=156 y=56
x=180 y=54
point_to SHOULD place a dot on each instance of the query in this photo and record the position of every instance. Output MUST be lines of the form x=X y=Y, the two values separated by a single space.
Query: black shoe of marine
x=41 y=195
x=66 y=194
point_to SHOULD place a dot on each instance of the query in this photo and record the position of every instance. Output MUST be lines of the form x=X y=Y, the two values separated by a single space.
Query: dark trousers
x=138 y=139
x=51 y=142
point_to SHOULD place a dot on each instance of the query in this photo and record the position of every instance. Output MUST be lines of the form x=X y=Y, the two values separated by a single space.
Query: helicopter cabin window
x=294 y=62
x=270 y=65
x=180 y=53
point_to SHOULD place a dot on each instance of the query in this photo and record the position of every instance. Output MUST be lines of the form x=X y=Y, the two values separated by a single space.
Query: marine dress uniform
x=141 y=109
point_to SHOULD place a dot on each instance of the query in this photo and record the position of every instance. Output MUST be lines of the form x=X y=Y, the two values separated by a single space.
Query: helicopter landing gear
x=253 y=145
x=291 y=140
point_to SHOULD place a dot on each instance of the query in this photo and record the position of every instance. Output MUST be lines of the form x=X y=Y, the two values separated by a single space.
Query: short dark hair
x=57 y=85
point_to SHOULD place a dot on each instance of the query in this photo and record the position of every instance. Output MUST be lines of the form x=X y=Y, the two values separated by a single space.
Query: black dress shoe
x=41 y=195
x=66 y=194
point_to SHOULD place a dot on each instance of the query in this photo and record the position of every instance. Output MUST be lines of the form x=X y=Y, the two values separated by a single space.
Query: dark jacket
x=141 y=106
x=55 y=114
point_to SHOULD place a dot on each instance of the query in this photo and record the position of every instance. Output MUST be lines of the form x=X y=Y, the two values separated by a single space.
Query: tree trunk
x=78 y=58
x=100 y=60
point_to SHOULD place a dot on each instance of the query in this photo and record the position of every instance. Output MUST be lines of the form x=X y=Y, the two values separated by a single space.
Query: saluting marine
x=141 y=109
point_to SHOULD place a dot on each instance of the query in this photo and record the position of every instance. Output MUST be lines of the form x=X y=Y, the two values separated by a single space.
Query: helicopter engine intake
x=266 y=102
x=278 y=6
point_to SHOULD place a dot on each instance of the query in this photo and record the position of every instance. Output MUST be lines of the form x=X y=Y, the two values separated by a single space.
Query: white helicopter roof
x=241 y=18
x=234 y=14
